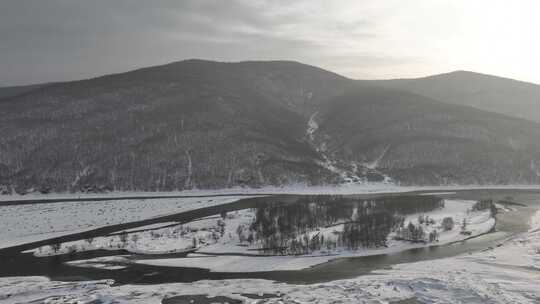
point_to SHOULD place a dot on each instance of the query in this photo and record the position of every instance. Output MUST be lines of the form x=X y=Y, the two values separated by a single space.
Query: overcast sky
x=53 y=40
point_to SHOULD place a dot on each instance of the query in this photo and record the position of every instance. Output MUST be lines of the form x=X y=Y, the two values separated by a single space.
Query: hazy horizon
x=203 y=59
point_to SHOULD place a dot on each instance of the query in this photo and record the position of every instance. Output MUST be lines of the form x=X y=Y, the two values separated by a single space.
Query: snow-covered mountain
x=202 y=124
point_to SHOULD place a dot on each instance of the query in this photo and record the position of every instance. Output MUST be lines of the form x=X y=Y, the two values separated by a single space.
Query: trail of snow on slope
x=312 y=126
x=348 y=176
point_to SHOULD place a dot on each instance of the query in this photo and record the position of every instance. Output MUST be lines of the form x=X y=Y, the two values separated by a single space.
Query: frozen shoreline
x=479 y=223
x=21 y=224
x=227 y=255
x=374 y=188
x=499 y=275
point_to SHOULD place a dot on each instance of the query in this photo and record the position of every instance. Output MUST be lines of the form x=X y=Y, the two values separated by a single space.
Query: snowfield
x=20 y=224
x=208 y=242
x=478 y=223
x=505 y=274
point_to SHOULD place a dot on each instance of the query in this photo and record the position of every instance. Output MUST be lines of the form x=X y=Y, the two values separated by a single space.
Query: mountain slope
x=203 y=124
x=183 y=125
x=486 y=92
x=6 y=92
x=416 y=140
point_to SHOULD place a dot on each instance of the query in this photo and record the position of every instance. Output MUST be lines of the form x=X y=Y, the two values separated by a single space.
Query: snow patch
x=312 y=127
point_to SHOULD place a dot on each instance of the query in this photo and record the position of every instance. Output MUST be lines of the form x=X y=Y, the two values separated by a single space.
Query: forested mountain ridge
x=179 y=126
x=417 y=140
x=6 y=92
x=203 y=124
x=486 y=92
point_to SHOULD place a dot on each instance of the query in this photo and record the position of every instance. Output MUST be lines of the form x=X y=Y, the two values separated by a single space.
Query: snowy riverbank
x=20 y=224
x=504 y=274
x=300 y=189
x=217 y=244
x=479 y=222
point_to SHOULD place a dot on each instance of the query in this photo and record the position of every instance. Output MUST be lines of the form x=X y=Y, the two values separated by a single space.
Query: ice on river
x=504 y=274
x=20 y=224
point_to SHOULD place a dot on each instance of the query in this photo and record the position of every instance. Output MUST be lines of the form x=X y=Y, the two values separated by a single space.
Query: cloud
x=71 y=39
x=62 y=39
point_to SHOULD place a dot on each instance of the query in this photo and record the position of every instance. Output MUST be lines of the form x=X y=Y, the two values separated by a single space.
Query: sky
x=58 y=40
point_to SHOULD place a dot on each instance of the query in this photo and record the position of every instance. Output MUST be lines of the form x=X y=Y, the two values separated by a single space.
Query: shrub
x=448 y=223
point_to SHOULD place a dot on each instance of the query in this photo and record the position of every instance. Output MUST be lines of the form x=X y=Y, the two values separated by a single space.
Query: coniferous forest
x=327 y=222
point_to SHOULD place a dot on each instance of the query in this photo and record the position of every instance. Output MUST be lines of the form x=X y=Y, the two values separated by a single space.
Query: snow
x=240 y=263
x=212 y=244
x=348 y=176
x=462 y=279
x=438 y=193
x=110 y=263
x=312 y=127
x=300 y=189
x=20 y=224
x=153 y=226
x=478 y=223
x=534 y=222
x=520 y=251
x=41 y=290
x=505 y=274
x=470 y=278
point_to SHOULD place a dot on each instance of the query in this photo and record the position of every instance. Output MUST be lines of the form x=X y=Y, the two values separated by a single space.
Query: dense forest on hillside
x=199 y=124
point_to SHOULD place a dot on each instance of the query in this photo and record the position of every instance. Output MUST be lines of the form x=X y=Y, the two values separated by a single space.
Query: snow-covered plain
x=505 y=274
x=211 y=244
x=478 y=223
x=20 y=224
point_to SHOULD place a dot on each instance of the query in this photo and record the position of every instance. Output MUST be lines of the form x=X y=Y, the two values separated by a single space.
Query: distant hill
x=6 y=92
x=182 y=125
x=417 y=140
x=203 y=124
x=486 y=92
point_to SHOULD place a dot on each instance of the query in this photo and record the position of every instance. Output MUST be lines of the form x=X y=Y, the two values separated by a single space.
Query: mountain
x=417 y=140
x=182 y=125
x=490 y=93
x=203 y=124
x=6 y=92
